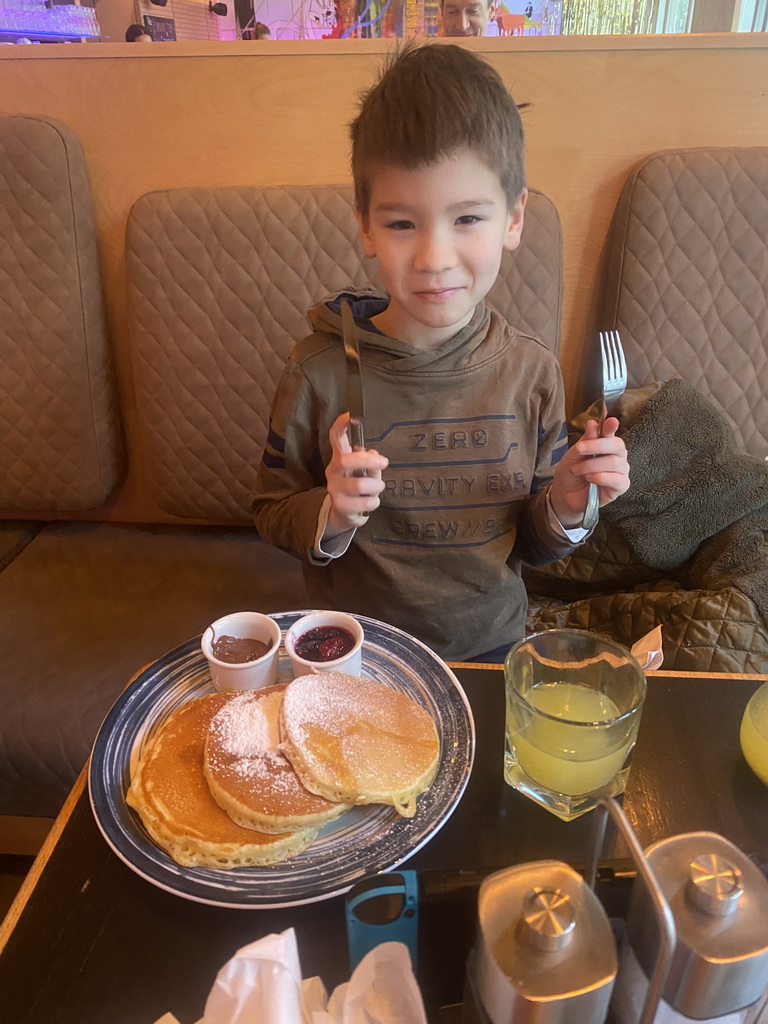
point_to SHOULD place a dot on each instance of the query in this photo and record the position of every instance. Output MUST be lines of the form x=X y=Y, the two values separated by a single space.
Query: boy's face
x=438 y=234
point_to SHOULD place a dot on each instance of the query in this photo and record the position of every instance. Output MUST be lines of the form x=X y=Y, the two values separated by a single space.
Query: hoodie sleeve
x=290 y=488
x=537 y=543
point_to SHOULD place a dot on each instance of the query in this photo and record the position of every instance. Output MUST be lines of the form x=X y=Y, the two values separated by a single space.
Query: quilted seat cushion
x=220 y=281
x=86 y=605
x=60 y=443
x=688 y=281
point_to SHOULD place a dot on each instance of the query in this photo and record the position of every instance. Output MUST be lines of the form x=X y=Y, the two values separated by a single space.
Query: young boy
x=468 y=472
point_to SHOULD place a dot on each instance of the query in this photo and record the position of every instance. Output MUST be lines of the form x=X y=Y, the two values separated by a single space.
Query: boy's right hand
x=352 y=497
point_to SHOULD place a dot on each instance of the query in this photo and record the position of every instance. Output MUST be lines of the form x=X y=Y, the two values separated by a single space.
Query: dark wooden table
x=90 y=941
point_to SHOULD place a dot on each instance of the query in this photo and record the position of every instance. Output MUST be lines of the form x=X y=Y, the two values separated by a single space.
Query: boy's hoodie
x=472 y=432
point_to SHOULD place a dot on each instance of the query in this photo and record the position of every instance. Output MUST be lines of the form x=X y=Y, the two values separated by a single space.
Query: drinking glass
x=574 y=700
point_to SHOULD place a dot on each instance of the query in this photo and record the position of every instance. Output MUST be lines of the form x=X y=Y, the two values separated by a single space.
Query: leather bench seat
x=84 y=607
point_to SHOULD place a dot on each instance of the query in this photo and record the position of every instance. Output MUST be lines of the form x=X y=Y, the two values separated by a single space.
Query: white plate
x=363 y=841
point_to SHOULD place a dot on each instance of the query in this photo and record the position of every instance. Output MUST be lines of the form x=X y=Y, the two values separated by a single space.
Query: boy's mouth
x=437 y=294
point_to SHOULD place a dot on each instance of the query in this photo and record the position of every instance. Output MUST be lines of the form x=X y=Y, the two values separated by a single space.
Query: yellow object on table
x=754 y=733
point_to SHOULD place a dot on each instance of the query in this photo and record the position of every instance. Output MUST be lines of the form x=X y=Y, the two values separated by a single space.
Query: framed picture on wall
x=162 y=30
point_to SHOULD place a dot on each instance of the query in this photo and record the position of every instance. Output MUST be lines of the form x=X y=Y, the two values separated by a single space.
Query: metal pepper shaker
x=719 y=902
x=544 y=949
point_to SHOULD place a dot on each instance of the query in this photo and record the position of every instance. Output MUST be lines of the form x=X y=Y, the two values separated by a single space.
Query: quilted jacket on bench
x=685 y=548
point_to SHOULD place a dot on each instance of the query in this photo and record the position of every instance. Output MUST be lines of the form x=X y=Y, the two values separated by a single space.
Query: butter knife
x=355 y=403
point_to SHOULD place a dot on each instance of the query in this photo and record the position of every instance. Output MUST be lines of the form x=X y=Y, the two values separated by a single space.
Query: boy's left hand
x=591 y=460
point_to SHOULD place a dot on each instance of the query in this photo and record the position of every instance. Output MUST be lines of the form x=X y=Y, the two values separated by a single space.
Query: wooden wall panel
x=168 y=115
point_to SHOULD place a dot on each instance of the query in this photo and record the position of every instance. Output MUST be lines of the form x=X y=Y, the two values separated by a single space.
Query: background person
x=465 y=17
x=137 y=34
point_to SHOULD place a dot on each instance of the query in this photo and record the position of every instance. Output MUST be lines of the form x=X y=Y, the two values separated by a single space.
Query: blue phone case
x=383 y=908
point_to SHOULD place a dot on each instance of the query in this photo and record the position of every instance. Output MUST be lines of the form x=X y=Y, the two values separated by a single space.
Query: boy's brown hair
x=431 y=101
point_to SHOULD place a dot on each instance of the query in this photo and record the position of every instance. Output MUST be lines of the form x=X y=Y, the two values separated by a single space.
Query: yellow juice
x=754 y=733
x=565 y=752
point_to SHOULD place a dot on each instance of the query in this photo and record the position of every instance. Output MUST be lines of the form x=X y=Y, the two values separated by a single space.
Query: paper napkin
x=263 y=983
x=648 y=650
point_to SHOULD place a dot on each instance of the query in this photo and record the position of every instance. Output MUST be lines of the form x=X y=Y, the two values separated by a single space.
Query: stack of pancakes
x=236 y=779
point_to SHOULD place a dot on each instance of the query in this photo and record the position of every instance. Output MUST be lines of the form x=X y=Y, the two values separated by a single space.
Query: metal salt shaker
x=544 y=949
x=719 y=902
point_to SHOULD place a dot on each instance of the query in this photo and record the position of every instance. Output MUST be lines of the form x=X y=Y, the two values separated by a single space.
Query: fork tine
x=606 y=354
x=621 y=361
x=620 y=364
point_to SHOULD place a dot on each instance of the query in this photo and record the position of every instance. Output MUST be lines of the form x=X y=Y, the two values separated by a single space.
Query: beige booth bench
x=219 y=280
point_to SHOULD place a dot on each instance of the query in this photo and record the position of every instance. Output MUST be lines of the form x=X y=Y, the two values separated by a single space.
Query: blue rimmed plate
x=362 y=841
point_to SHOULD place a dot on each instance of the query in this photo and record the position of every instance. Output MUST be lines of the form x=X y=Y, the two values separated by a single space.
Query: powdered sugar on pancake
x=170 y=792
x=248 y=725
x=247 y=771
x=356 y=736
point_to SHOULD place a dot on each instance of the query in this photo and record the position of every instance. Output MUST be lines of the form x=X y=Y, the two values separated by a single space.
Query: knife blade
x=355 y=403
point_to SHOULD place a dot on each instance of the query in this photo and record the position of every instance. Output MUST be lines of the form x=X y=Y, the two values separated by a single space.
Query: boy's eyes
x=408 y=225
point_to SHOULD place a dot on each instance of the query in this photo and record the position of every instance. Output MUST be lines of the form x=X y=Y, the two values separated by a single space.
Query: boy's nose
x=434 y=255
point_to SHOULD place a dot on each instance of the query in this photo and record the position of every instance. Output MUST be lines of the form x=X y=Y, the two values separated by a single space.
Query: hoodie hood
x=395 y=356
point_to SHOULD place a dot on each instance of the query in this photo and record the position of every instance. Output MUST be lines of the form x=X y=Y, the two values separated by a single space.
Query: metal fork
x=614 y=385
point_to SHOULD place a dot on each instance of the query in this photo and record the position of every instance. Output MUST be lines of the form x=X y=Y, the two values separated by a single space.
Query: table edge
x=755 y=677
x=28 y=885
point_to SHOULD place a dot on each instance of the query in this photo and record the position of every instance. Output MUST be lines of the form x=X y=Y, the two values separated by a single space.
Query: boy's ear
x=363 y=224
x=515 y=222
